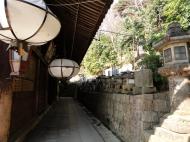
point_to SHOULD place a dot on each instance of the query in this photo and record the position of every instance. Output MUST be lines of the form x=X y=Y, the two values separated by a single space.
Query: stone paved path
x=65 y=122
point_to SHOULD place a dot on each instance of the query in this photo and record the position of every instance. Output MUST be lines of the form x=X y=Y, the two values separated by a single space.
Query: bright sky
x=115 y=1
x=106 y=23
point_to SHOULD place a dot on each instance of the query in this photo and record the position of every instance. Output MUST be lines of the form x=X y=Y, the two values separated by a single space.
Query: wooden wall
x=30 y=95
x=5 y=93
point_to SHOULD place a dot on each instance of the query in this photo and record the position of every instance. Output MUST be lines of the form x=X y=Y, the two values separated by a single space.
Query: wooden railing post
x=5 y=112
x=5 y=93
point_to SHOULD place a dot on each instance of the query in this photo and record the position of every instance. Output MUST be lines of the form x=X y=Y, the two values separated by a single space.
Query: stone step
x=167 y=135
x=175 y=115
x=176 y=123
x=150 y=137
x=155 y=138
x=183 y=113
x=147 y=134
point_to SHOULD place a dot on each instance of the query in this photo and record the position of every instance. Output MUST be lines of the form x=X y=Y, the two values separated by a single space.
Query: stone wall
x=127 y=114
x=154 y=107
x=120 y=112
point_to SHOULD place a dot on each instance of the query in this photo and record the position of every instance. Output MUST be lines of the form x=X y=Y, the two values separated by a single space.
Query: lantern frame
x=173 y=54
x=61 y=69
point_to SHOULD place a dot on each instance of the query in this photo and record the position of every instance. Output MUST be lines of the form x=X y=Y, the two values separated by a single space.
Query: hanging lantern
x=24 y=23
x=27 y=20
x=63 y=68
x=15 y=60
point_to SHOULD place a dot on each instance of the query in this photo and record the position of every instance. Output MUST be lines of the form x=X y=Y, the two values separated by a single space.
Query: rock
x=148 y=105
x=128 y=87
x=154 y=138
x=148 y=96
x=177 y=123
x=162 y=95
x=125 y=91
x=160 y=106
x=148 y=90
x=143 y=78
x=146 y=126
x=171 y=136
x=147 y=134
x=137 y=90
x=149 y=116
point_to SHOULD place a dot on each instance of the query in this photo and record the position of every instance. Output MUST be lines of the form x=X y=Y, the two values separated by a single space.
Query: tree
x=152 y=61
x=101 y=55
x=145 y=22
x=177 y=10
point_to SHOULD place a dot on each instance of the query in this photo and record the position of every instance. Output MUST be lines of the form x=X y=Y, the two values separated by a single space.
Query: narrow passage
x=65 y=122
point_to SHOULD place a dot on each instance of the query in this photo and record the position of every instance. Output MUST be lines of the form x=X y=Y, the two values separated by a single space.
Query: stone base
x=171 y=136
x=143 y=90
x=137 y=90
x=177 y=123
x=160 y=134
x=143 y=78
x=148 y=90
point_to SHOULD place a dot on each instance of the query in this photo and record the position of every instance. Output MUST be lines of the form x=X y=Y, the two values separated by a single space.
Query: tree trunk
x=5 y=112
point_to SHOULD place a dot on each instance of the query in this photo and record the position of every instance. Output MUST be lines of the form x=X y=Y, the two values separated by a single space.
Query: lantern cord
x=76 y=21
x=77 y=3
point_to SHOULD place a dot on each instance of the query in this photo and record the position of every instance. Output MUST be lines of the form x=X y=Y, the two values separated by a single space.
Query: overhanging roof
x=77 y=31
x=169 y=40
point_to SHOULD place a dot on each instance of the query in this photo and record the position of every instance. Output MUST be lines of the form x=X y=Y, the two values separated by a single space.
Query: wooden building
x=25 y=98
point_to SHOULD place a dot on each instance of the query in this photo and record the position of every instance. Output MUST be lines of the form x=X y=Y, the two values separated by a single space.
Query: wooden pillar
x=5 y=93
x=5 y=112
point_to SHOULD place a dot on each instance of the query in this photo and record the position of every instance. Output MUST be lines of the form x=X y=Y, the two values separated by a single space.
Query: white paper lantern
x=63 y=68
x=27 y=20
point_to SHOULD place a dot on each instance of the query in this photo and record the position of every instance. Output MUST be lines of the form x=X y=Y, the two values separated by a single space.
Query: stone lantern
x=175 y=49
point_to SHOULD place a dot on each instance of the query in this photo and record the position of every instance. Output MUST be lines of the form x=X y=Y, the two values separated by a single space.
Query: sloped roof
x=77 y=31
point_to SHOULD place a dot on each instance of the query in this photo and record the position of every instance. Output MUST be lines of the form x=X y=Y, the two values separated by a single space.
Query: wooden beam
x=5 y=112
x=39 y=54
x=90 y=10
x=5 y=93
x=99 y=20
x=89 y=14
x=87 y=18
x=82 y=27
x=4 y=64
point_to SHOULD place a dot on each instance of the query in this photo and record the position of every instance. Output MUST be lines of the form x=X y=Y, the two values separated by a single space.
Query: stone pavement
x=65 y=122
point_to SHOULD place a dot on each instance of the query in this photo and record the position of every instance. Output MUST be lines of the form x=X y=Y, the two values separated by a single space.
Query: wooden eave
x=90 y=16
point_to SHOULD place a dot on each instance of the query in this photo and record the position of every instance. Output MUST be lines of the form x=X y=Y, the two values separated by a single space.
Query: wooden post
x=5 y=93
x=5 y=112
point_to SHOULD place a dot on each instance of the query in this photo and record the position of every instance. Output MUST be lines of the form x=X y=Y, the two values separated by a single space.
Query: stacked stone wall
x=127 y=114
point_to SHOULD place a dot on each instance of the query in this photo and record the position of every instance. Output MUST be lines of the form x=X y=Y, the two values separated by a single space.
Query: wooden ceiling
x=79 y=25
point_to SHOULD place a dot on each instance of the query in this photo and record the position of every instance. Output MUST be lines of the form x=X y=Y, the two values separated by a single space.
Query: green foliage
x=152 y=61
x=100 y=56
x=177 y=10
x=145 y=22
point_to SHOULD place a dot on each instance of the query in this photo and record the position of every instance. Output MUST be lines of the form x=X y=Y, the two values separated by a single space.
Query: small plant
x=152 y=61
